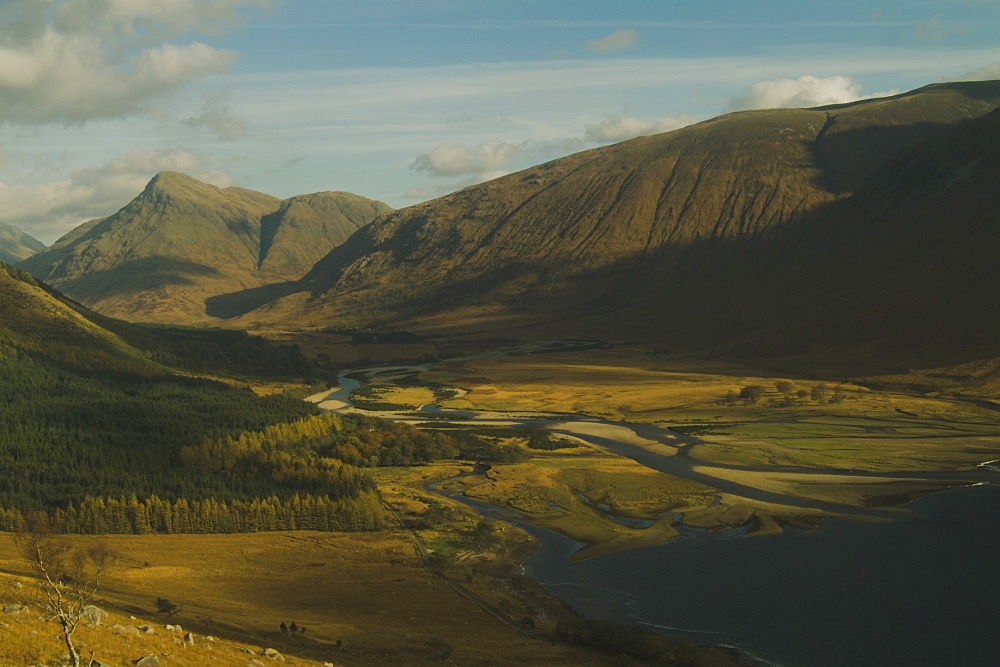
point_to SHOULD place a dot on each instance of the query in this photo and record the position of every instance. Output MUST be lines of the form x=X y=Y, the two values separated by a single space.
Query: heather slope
x=181 y=241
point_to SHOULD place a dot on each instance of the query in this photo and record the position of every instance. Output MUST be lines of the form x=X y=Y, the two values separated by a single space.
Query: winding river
x=920 y=590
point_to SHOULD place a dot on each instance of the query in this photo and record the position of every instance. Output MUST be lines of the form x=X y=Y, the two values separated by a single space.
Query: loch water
x=922 y=590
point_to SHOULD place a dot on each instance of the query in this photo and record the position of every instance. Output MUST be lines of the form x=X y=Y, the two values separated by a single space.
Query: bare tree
x=68 y=576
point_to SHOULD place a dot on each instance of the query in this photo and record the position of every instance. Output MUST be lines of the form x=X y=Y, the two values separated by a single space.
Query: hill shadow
x=234 y=304
x=137 y=276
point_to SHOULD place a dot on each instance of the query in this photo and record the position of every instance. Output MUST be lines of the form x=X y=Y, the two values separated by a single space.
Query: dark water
x=921 y=591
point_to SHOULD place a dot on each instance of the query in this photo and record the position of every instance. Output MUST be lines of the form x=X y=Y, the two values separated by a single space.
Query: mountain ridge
x=181 y=240
x=16 y=245
x=637 y=222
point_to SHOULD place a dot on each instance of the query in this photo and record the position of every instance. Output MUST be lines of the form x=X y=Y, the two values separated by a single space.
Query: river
x=921 y=590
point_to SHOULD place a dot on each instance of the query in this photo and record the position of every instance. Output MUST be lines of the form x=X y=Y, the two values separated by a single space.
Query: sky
x=407 y=100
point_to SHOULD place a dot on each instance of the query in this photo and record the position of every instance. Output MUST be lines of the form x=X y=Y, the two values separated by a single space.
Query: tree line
x=99 y=516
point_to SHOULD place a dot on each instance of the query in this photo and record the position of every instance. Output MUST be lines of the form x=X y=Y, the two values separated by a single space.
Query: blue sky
x=403 y=100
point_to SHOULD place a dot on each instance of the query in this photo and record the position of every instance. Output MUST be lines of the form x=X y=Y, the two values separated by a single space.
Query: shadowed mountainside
x=15 y=245
x=181 y=241
x=774 y=232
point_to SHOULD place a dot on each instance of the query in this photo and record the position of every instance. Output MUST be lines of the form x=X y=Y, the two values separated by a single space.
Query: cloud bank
x=805 y=91
x=71 y=61
x=987 y=73
x=49 y=210
x=488 y=160
x=620 y=128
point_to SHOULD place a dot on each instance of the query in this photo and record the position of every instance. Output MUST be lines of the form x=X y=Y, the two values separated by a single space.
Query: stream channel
x=922 y=589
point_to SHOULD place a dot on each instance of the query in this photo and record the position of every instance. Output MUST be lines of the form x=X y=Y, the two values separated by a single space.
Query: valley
x=708 y=476
x=723 y=395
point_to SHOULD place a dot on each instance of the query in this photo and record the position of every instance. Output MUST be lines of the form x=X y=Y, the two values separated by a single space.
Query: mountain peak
x=176 y=183
x=182 y=240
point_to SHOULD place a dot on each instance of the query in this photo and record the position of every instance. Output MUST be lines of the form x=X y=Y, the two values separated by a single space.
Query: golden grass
x=843 y=489
x=27 y=639
x=368 y=590
x=622 y=383
x=579 y=495
x=413 y=397
x=843 y=444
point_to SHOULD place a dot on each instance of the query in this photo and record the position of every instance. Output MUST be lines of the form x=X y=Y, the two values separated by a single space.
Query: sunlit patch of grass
x=368 y=590
x=851 y=444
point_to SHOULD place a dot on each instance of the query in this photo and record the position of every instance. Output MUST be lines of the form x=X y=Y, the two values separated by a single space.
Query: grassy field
x=367 y=590
x=893 y=442
x=622 y=383
x=848 y=427
x=27 y=639
x=605 y=502
x=832 y=425
x=590 y=498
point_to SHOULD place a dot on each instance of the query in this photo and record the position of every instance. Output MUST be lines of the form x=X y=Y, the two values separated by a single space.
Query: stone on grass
x=189 y=639
x=93 y=615
x=13 y=608
x=148 y=661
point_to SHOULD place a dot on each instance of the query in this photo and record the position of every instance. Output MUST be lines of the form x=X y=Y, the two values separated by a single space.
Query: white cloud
x=71 y=61
x=49 y=210
x=217 y=117
x=805 y=91
x=987 y=73
x=488 y=160
x=620 y=128
x=617 y=41
x=457 y=160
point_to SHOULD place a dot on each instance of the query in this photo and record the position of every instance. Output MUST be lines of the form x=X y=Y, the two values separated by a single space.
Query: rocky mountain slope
x=15 y=245
x=181 y=241
x=721 y=235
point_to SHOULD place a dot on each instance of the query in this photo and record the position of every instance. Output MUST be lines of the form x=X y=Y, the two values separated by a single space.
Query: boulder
x=173 y=628
x=148 y=661
x=148 y=629
x=188 y=639
x=126 y=630
x=13 y=608
x=93 y=615
x=273 y=655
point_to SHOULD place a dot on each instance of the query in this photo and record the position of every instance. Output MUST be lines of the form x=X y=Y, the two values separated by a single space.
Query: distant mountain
x=15 y=245
x=181 y=241
x=756 y=233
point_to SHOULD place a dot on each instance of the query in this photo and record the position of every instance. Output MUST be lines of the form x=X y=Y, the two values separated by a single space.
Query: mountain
x=15 y=245
x=37 y=322
x=745 y=234
x=181 y=241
